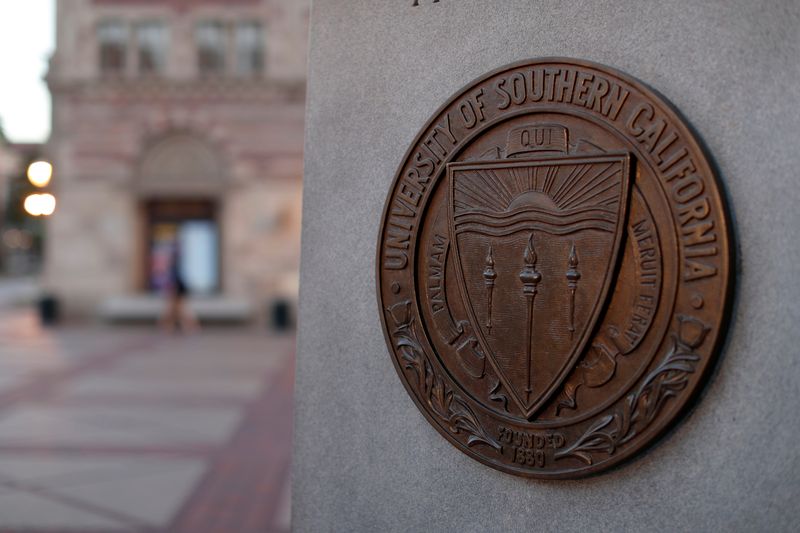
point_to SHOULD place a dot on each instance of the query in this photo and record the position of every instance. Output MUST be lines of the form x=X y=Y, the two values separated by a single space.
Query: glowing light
x=48 y=204
x=40 y=205
x=32 y=205
x=40 y=173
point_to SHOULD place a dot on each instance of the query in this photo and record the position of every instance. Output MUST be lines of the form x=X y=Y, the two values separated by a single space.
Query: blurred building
x=9 y=162
x=176 y=121
x=20 y=234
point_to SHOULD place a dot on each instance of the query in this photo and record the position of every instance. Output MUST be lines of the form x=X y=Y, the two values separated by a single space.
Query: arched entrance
x=180 y=188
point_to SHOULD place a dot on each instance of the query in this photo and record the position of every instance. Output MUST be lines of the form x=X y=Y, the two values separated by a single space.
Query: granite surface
x=365 y=458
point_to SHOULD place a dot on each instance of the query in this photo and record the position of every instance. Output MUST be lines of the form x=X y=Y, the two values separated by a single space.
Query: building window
x=112 y=37
x=152 y=39
x=211 y=47
x=249 y=48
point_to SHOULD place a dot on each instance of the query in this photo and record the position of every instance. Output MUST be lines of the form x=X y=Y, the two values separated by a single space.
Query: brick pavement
x=110 y=430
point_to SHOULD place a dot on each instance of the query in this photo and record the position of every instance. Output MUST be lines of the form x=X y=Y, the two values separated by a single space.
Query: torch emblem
x=515 y=225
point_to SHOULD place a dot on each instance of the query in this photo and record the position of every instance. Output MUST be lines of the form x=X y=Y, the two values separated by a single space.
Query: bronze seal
x=554 y=268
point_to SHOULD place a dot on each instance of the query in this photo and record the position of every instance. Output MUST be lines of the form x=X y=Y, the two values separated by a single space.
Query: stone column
x=365 y=458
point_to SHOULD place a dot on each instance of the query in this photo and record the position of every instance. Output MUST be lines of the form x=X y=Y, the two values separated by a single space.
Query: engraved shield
x=536 y=244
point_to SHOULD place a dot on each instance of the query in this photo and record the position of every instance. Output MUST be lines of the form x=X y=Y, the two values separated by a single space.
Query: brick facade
x=124 y=139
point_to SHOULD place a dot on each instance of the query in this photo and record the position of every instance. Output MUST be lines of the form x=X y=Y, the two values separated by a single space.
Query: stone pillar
x=365 y=458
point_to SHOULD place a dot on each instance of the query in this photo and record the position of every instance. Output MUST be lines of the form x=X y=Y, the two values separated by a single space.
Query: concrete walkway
x=106 y=430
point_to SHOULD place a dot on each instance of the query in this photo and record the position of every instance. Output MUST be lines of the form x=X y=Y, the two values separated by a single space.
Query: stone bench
x=149 y=308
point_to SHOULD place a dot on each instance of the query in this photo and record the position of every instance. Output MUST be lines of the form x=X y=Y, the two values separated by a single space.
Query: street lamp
x=40 y=204
x=39 y=173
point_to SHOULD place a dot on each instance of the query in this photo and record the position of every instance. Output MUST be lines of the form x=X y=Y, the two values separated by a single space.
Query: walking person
x=177 y=315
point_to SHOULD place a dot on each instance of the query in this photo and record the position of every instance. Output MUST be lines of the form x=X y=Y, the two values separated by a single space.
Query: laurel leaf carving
x=452 y=411
x=642 y=406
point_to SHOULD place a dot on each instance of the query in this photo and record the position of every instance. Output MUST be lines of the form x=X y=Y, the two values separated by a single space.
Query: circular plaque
x=554 y=268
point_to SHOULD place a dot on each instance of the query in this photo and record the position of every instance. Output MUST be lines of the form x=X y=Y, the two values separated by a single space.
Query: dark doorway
x=192 y=226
